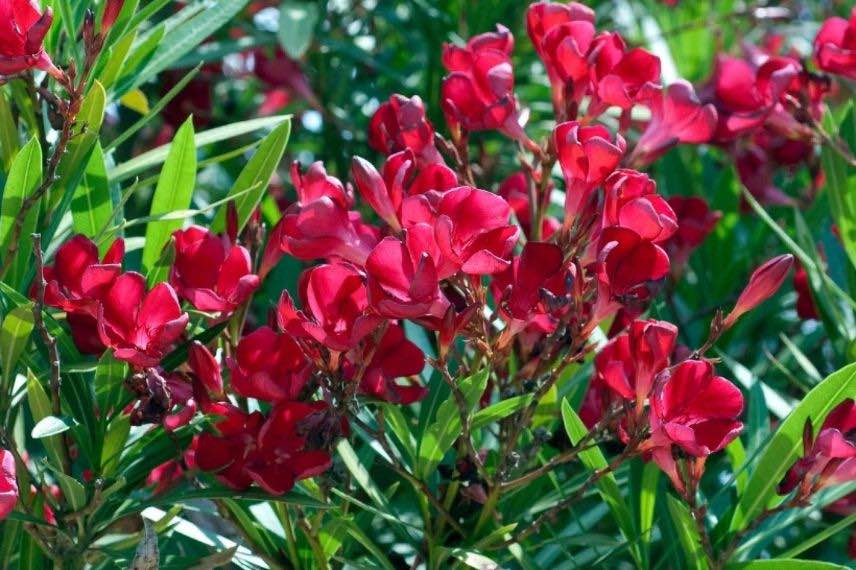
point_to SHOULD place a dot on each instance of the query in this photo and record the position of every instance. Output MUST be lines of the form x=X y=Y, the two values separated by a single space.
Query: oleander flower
x=76 y=282
x=140 y=326
x=211 y=273
x=677 y=116
x=630 y=362
x=587 y=156
x=471 y=229
x=228 y=451
x=829 y=457
x=22 y=31
x=631 y=201
x=516 y=192
x=835 y=46
x=8 y=484
x=400 y=124
x=391 y=374
x=402 y=277
x=335 y=308
x=268 y=366
x=696 y=411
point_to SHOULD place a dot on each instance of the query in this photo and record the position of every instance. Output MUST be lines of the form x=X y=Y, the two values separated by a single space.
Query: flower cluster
x=503 y=271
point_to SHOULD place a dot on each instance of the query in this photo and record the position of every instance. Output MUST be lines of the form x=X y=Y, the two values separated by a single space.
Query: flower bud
x=111 y=12
x=765 y=281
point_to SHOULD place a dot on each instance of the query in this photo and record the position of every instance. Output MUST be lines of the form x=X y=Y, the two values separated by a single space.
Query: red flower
x=8 y=484
x=165 y=476
x=619 y=74
x=626 y=263
x=629 y=362
x=694 y=410
x=77 y=281
x=587 y=157
x=282 y=457
x=478 y=93
x=835 y=46
x=523 y=290
x=402 y=276
x=631 y=201
x=695 y=222
x=205 y=368
x=541 y=17
x=677 y=116
x=335 y=307
x=228 y=451
x=564 y=51
x=763 y=283
x=394 y=357
x=268 y=366
x=471 y=229
x=319 y=224
x=209 y=272
x=386 y=202
x=139 y=326
x=400 y=124
x=745 y=95
x=806 y=307
x=22 y=31
x=515 y=191
x=829 y=458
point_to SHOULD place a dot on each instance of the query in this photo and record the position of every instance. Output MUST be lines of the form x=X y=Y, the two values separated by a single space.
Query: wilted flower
x=8 y=484
x=22 y=31
x=763 y=283
x=835 y=46
x=694 y=410
x=140 y=326
x=212 y=274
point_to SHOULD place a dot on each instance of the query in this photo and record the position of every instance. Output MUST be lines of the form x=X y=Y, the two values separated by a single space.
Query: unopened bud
x=111 y=12
x=763 y=283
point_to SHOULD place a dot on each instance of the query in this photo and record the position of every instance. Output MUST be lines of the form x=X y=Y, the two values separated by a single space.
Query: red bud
x=765 y=281
x=111 y=12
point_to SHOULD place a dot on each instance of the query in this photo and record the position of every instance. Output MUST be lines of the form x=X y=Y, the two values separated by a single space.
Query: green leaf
x=819 y=537
x=297 y=26
x=8 y=133
x=687 y=534
x=109 y=381
x=647 y=502
x=14 y=337
x=25 y=175
x=840 y=182
x=785 y=446
x=256 y=176
x=40 y=408
x=737 y=456
x=51 y=425
x=114 y=443
x=446 y=428
x=499 y=410
x=607 y=486
x=157 y=155
x=183 y=38
x=783 y=564
x=173 y=192
x=116 y=60
x=91 y=207
x=85 y=134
